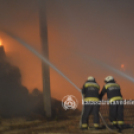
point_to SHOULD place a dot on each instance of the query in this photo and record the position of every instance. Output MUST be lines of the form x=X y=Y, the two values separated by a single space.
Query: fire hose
x=104 y=122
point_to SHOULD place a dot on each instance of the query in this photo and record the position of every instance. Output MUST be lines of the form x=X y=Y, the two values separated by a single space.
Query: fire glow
x=0 y=42
x=123 y=67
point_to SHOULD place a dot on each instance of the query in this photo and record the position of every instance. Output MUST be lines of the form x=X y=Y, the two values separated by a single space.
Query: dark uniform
x=114 y=96
x=90 y=92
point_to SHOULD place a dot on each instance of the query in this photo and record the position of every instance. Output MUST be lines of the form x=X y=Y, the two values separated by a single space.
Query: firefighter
x=115 y=102
x=90 y=93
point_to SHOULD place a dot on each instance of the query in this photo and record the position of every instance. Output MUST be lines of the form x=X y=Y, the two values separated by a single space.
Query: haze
x=100 y=29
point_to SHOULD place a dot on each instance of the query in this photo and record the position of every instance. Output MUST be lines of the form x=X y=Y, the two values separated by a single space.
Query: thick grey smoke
x=15 y=99
x=40 y=56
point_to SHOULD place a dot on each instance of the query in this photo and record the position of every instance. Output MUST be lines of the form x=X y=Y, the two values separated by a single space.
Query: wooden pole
x=45 y=50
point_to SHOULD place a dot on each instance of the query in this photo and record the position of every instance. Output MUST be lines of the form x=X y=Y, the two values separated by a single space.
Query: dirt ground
x=70 y=125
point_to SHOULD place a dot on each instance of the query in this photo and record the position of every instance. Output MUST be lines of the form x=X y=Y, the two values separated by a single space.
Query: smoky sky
x=100 y=29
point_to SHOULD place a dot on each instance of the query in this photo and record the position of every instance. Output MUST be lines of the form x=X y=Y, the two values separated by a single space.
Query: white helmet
x=109 y=78
x=91 y=78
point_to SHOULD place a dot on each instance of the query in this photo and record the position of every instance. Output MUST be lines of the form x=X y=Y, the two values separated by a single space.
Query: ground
x=39 y=126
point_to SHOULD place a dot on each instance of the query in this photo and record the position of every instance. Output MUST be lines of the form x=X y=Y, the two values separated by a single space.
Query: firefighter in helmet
x=90 y=93
x=115 y=98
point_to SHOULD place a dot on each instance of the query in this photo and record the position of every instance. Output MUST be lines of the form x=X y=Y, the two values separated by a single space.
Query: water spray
x=40 y=56
x=101 y=63
x=114 y=70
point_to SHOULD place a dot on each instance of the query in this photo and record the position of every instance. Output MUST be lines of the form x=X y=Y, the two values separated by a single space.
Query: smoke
x=58 y=71
x=15 y=100
x=100 y=63
x=14 y=97
x=40 y=56
x=114 y=70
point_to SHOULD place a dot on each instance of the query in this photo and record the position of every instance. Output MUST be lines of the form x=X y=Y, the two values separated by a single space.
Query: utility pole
x=45 y=50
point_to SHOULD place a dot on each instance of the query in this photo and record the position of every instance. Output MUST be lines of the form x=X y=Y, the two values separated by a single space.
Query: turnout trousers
x=87 y=110
x=116 y=113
